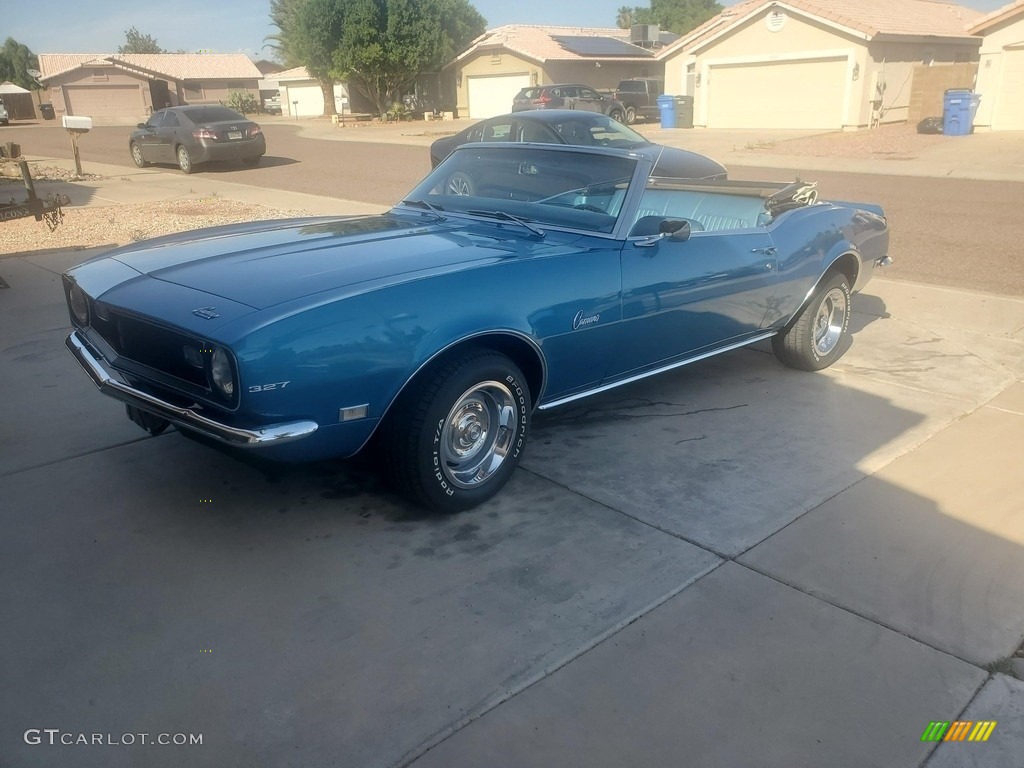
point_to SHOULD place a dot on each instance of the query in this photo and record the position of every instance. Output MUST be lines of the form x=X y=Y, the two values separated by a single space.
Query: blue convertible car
x=514 y=277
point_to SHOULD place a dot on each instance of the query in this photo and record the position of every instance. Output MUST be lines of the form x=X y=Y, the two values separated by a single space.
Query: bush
x=242 y=101
x=398 y=111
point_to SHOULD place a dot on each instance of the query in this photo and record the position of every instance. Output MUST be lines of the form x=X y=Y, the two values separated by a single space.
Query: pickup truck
x=639 y=97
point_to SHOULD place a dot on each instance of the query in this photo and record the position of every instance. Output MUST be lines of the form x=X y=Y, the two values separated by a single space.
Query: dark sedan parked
x=190 y=136
x=585 y=129
x=568 y=96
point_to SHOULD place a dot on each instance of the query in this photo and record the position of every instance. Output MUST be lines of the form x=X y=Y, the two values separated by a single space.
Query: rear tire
x=184 y=160
x=454 y=439
x=617 y=115
x=819 y=334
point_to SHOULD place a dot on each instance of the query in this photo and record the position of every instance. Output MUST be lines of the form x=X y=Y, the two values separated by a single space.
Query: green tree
x=314 y=32
x=679 y=16
x=385 y=44
x=15 y=61
x=624 y=17
x=136 y=42
x=283 y=43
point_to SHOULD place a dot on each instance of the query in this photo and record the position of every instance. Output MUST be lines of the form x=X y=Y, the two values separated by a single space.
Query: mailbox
x=77 y=123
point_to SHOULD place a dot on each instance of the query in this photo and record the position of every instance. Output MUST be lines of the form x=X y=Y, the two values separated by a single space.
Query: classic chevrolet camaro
x=513 y=278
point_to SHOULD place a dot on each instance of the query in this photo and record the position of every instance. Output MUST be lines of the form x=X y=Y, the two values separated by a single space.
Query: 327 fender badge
x=206 y=313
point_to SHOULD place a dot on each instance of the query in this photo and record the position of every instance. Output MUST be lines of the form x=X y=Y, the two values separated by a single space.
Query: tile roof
x=296 y=73
x=175 y=66
x=870 y=18
x=53 y=64
x=998 y=15
x=538 y=43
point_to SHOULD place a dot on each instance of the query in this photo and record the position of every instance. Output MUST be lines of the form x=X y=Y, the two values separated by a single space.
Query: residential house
x=815 y=64
x=1001 y=69
x=502 y=61
x=134 y=85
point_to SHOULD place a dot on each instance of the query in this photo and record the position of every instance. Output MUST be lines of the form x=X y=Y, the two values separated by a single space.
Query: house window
x=495 y=58
x=99 y=74
x=193 y=90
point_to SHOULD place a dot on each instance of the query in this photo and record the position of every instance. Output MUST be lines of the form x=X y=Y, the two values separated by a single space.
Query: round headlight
x=221 y=373
x=79 y=305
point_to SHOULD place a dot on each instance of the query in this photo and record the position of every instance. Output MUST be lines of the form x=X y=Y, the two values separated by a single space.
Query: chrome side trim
x=631 y=379
x=186 y=417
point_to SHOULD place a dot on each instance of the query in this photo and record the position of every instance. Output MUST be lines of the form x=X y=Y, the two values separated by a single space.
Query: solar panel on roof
x=598 y=46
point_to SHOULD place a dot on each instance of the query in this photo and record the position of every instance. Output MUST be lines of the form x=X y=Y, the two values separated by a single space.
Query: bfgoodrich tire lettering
x=456 y=437
x=818 y=335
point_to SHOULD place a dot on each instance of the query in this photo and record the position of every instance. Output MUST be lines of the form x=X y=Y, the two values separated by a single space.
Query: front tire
x=819 y=334
x=630 y=115
x=617 y=115
x=137 y=157
x=455 y=438
x=184 y=160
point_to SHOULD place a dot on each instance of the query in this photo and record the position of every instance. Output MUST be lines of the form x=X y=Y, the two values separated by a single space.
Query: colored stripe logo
x=958 y=730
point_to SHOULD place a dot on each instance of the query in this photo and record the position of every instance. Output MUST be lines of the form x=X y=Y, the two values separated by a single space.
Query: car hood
x=267 y=263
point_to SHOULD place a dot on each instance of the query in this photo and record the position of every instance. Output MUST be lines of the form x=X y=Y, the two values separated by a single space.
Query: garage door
x=788 y=94
x=1009 y=115
x=492 y=95
x=310 y=98
x=104 y=100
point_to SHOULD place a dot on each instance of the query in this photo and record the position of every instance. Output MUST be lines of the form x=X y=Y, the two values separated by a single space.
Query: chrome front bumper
x=109 y=384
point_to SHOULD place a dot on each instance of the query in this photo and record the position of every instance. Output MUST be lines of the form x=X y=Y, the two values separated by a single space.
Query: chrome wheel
x=460 y=184
x=137 y=156
x=184 y=160
x=829 y=321
x=477 y=434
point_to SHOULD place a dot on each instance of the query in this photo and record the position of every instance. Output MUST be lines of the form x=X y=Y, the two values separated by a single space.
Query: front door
x=680 y=298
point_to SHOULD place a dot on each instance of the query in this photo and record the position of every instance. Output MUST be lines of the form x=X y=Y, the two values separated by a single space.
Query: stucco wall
x=94 y=77
x=990 y=68
x=879 y=73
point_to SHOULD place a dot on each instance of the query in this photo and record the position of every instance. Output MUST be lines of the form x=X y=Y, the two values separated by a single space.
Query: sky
x=240 y=26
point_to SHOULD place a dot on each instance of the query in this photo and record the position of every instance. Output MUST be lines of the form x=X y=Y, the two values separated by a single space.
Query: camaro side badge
x=581 y=321
x=206 y=312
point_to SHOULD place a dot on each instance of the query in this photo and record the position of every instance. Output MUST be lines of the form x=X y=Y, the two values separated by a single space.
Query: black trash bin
x=684 y=111
x=46 y=111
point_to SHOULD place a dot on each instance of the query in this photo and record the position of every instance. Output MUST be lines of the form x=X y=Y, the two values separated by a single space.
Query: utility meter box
x=77 y=123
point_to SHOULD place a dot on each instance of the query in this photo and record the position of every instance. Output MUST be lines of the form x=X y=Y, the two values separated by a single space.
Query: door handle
x=769 y=250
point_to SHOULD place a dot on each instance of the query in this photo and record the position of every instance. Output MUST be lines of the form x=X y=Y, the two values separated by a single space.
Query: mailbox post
x=76 y=126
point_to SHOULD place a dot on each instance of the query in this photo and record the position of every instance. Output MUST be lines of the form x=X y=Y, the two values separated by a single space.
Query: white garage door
x=492 y=95
x=104 y=100
x=1009 y=114
x=310 y=98
x=786 y=94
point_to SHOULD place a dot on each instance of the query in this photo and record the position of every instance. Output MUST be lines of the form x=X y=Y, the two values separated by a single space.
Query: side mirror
x=676 y=229
x=142 y=125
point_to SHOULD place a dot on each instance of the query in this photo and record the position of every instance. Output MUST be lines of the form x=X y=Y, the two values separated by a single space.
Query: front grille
x=153 y=346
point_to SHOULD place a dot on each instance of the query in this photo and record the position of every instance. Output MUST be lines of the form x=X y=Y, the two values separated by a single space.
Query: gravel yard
x=119 y=224
x=896 y=140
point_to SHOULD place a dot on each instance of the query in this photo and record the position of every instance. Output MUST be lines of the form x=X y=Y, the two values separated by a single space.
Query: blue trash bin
x=958 y=112
x=667 y=108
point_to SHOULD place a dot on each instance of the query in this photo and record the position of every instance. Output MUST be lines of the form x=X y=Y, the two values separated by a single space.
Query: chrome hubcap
x=477 y=434
x=829 y=321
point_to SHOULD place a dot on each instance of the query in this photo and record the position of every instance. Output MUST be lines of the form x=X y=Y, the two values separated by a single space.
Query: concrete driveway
x=732 y=564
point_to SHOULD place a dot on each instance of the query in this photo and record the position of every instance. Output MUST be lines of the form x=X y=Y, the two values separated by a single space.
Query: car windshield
x=211 y=114
x=598 y=131
x=529 y=185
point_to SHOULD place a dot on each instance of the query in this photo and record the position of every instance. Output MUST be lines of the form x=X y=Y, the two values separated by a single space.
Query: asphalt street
x=956 y=232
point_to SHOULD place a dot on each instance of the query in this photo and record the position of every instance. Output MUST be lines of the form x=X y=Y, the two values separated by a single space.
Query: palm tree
x=624 y=20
